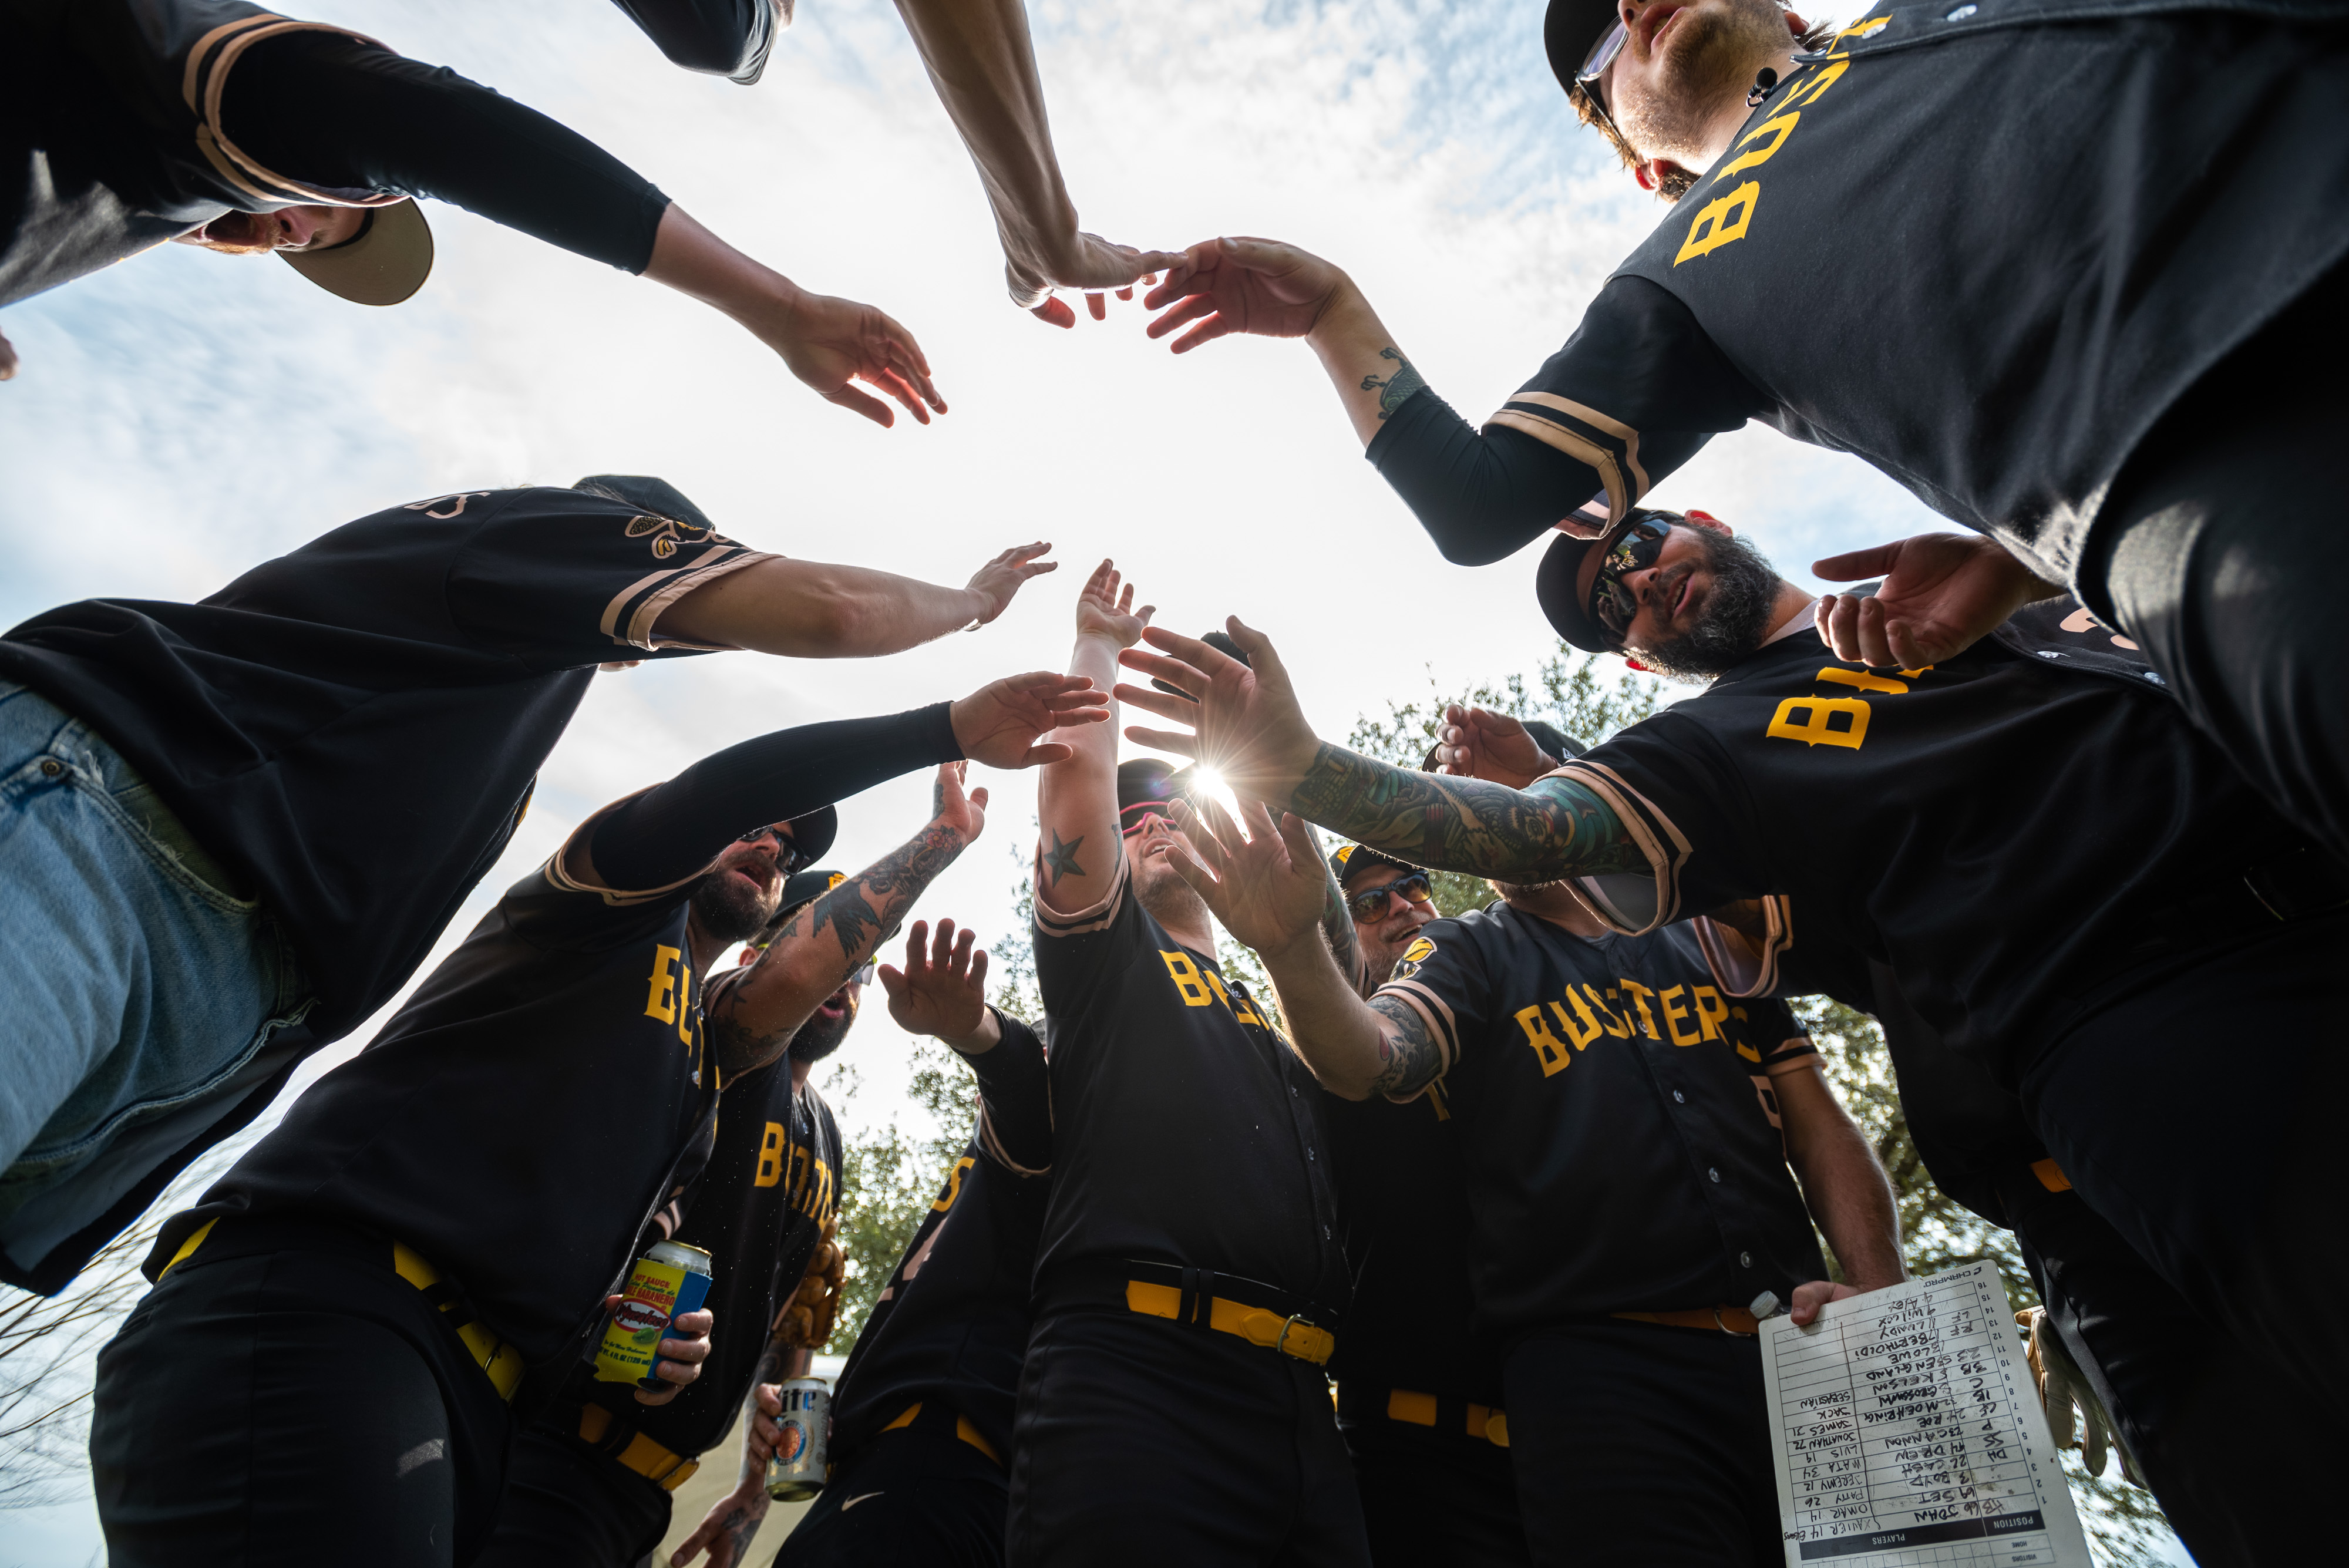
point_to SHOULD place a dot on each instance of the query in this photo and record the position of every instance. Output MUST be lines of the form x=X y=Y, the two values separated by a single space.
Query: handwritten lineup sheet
x=1910 y=1433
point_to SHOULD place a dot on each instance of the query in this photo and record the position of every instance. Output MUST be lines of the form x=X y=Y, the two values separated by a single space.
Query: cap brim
x=1555 y=585
x=811 y=834
x=1568 y=30
x=385 y=265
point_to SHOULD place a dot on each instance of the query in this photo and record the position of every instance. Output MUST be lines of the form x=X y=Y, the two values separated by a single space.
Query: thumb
x=1853 y=565
x=892 y=981
x=1299 y=836
x=1262 y=657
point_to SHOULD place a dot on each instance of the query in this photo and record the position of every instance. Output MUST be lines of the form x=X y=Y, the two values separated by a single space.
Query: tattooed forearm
x=1061 y=860
x=1409 y=1058
x=1553 y=828
x=1396 y=390
x=862 y=908
x=1338 y=926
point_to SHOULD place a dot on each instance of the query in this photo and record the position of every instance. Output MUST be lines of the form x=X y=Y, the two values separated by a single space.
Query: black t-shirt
x=1982 y=247
x=771 y=1187
x=1620 y=1133
x=519 y=1121
x=2001 y=829
x=1404 y=1220
x=951 y=1325
x=1184 y=1126
x=353 y=729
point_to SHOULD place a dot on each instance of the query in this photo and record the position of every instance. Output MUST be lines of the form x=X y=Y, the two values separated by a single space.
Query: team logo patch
x=1418 y=953
x=667 y=534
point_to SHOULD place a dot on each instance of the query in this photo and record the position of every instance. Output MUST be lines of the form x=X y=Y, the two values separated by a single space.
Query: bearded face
x=1739 y=602
x=1667 y=95
x=730 y=907
x=828 y=1025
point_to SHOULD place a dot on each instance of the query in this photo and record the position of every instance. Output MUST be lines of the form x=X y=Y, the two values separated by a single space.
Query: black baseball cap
x=384 y=263
x=651 y=493
x=801 y=888
x=1565 y=593
x=812 y=836
x=1223 y=644
x=1148 y=782
x=1351 y=857
x=1569 y=29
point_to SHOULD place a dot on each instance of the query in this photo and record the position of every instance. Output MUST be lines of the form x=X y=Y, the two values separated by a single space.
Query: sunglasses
x=1139 y=814
x=1612 y=603
x=792 y=861
x=1602 y=52
x=864 y=975
x=1371 y=904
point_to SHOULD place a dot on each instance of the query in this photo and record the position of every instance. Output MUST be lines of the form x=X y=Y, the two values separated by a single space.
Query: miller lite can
x=795 y=1470
x=670 y=1280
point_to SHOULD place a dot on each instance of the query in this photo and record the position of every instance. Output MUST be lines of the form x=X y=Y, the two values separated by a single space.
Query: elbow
x=851 y=625
x=1463 y=547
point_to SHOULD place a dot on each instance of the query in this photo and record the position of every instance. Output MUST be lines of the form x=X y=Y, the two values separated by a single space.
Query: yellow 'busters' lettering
x=1674 y=1015
x=1715 y=225
x=1776 y=129
x=686 y=1016
x=1815 y=88
x=1581 y=1037
x=954 y=1184
x=1861 y=681
x=771 y=1157
x=658 y=1004
x=1551 y=1051
x=1817 y=728
x=1187 y=980
x=1711 y=1011
x=1638 y=994
x=1615 y=1026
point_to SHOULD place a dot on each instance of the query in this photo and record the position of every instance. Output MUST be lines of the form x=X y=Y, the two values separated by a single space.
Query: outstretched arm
x=1247 y=721
x=811 y=609
x=1078 y=851
x=983 y=65
x=1842 y=1182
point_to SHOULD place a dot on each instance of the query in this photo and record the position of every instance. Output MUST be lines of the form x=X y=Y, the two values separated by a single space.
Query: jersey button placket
x=1714 y=1171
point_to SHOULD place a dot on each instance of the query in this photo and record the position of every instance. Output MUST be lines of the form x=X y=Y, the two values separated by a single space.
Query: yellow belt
x=1420 y=1410
x=492 y=1354
x=665 y=1469
x=963 y=1429
x=1256 y=1324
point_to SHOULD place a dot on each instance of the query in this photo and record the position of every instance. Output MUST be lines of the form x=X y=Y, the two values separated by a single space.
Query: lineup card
x=1910 y=1433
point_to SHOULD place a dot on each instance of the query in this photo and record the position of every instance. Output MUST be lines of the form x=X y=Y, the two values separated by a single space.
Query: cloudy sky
x=186 y=415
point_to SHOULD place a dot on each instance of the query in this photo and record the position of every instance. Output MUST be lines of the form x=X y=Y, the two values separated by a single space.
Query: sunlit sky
x=186 y=415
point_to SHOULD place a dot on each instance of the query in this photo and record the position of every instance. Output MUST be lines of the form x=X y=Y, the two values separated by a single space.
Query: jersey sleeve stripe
x=992 y=1146
x=1666 y=849
x=629 y=617
x=1607 y=445
x=559 y=876
x=1435 y=1013
x=1093 y=916
x=1738 y=968
x=1792 y=1056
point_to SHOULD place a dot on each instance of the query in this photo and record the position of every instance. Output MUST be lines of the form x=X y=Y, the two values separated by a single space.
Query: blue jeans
x=137 y=984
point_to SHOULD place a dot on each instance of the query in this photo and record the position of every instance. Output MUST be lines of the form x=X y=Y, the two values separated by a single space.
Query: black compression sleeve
x=1481 y=494
x=1017 y=1092
x=329 y=110
x=673 y=830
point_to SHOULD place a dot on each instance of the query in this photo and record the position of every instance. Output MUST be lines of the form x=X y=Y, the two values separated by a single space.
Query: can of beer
x=795 y=1471
x=670 y=1280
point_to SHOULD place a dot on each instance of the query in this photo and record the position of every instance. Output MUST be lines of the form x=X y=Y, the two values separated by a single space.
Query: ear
x=1796 y=25
x=1651 y=172
x=1706 y=520
x=749 y=957
x=1635 y=664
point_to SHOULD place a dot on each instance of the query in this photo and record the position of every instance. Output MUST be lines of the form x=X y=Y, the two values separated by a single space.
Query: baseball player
x=983 y=68
x=1419 y=1392
x=1173 y=1407
x=1625 y=1134
x=433 y=1230
x=2069 y=882
x=1995 y=251
x=921 y=1415
x=590 y=1480
x=233 y=828
x=214 y=122
x=2176 y=1389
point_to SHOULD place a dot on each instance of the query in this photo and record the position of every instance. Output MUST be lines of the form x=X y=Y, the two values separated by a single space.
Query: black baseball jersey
x=2001 y=829
x=1620 y=1131
x=1404 y=1220
x=951 y=1325
x=1184 y=1126
x=353 y=728
x=1981 y=246
x=758 y=1210
x=545 y=1090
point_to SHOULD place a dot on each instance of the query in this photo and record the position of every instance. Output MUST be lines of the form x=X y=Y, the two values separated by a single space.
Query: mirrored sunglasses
x=1372 y=902
x=1602 y=52
x=1612 y=603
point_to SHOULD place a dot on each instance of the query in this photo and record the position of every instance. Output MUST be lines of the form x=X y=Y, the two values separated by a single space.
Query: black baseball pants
x=1432 y=1497
x=567 y=1506
x=2222 y=549
x=2200 y=1117
x=911 y=1496
x=1152 y=1444
x=1639 y=1445
x=288 y=1407
x=2239 y=1458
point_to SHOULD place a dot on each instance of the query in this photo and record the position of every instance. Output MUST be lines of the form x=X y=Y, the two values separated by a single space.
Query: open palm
x=1269 y=887
x=834 y=343
x=999 y=723
x=1941 y=594
x=1105 y=608
x=1261 y=287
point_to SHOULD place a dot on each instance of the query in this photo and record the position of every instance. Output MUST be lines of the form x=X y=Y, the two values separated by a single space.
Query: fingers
x=1298 y=833
x=942 y=951
x=771 y=1400
x=1853 y=565
x=1205 y=332
x=1102 y=583
x=1194 y=307
x=1098 y=305
x=1055 y=312
x=897 y=386
x=1813 y=1294
x=978 y=971
x=914 y=947
x=1207 y=842
x=1264 y=660
x=1182 y=745
x=1048 y=753
x=858 y=402
x=1210 y=662
x=1182 y=710
x=1188 y=679
x=892 y=983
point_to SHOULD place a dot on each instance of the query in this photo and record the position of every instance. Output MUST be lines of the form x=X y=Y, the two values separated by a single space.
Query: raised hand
x=1094 y=265
x=831 y=343
x=1000 y=579
x=1246 y=723
x=999 y=723
x=1478 y=744
x=960 y=813
x=942 y=990
x=1263 y=287
x=1942 y=593
x=1270 y=888
x=1106 y=609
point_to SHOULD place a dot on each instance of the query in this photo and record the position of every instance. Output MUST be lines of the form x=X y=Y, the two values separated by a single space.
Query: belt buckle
x=1731 y=1332
x=1281 y=1342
